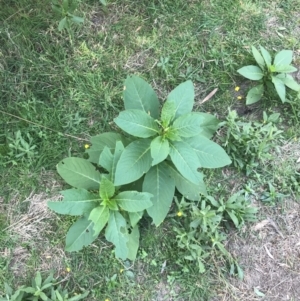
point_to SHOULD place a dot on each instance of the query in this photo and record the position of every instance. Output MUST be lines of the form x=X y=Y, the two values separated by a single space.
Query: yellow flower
x=68 y=270
x=237 y=89
x=179 y=213
x=107 y=299
x=240 y=97
x=121 y=271
x=86 y=146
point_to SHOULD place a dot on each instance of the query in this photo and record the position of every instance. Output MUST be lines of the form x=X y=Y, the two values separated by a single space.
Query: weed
x=250 y=143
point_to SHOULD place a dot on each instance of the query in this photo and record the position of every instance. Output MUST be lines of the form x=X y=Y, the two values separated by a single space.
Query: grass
x=58 y=89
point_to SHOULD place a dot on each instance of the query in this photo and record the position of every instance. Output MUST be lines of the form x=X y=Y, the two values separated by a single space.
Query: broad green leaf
x=75 y=202
x=99 y=142
x=43 y=296
x=289 y=81
x=168 y=113
x=135 y=160
x=159 y=149
x=79 y=297
x=106 y=159
x=117 y=154
x=209 y=124
x=185 y=159
x=284 y=57
x=280 y=88
x=8 y=290
x=80 y=235
x=66 y=5
x=188 y=125
x=137 y=123
x=183 y=97
x=139 y=95
x=255 y=94
x=251 y=72
x=266 y=55
x=188 y=189
x=259 y=59
x=133 y=201
x=107 y=189
x=79 y=173
x=161 y=185
x=134 y=217
x=210 y=154
x=38 y=279
x=77 y=19
x=133 y=243
x=29 y=290
x=116 y=233
x=63 y=23
x=233 y=218
x=99 y=216
x=285 y=68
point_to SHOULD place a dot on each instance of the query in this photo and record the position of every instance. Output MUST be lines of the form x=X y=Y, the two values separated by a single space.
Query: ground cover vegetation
x=74 y=77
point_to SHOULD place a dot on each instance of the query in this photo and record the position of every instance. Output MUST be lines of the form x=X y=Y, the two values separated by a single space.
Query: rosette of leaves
x=166 y=149
x=270 y=73
x=99 y=204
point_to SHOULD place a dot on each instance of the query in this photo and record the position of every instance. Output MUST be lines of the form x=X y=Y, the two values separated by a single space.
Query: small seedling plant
x=66 y=8
x=270 y=73
x=162 y=150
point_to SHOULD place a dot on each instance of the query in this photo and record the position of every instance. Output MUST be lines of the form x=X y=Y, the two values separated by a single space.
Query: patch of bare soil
x=167 y=292
x=269 y=254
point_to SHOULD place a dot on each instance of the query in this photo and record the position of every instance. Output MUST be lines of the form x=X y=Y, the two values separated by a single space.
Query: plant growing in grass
x=270 y=73
x=250 y=143
x=164 y=150
x=40 y=289
x=66 y=8
x=204 y=230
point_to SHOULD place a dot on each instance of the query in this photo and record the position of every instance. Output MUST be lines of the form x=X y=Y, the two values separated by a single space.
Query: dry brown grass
x=31 y=229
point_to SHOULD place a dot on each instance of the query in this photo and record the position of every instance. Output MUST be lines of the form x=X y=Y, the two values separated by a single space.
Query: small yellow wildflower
x=121 y=271
x=237 y=89
x=240 y=97
x=86 y=146
x=107 y=299
x=179 y=213
x=295 y=139
x=68 y=270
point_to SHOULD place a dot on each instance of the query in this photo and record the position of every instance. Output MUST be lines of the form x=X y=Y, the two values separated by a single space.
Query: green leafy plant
x=271 y=195
x=200 y=230
x=66 y=8
x=46 y=290
x=249 y=143
x=119 y=210
x=270 y=73
x=164 y=64
x=236 y=208
x=164 y=151
x=21 y=148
